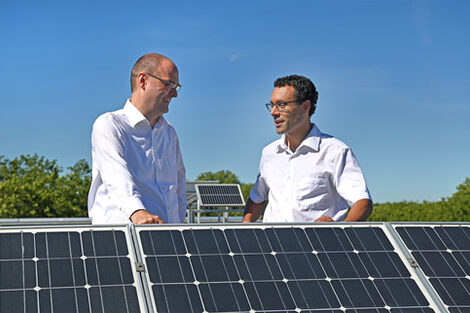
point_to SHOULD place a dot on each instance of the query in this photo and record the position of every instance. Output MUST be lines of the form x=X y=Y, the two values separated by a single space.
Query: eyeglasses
x=169 y=83
x=281 y=106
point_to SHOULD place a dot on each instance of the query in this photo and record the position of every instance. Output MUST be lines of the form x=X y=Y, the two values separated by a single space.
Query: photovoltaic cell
x=64 y=270
x=278 y=269
x=443 y=253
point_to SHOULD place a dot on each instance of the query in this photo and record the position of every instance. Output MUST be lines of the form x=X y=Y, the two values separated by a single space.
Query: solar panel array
x=315 y=268
x=443 y=254
x=67 y=270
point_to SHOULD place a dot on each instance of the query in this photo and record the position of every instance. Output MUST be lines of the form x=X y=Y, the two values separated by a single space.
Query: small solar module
x=219 y=195
x=443 y=254
x=329 y=268
x=73 y=269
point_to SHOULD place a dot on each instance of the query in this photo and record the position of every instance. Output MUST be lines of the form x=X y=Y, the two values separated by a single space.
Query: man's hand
x=324 y=218
x=144 y=217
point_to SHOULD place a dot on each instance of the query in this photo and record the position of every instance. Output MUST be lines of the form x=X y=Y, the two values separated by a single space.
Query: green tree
x=222 y=176
x=31 y=186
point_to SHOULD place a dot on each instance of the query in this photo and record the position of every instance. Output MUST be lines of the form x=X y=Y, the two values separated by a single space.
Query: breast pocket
x=311 y=194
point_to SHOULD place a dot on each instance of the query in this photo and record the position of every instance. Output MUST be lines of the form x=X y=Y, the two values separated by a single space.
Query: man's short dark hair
x=305 y=89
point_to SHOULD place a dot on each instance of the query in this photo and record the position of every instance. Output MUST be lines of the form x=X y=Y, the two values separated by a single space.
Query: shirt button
x=161 y=188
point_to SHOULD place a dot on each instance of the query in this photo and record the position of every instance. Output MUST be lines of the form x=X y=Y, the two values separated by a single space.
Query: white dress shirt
x=322 y=177
x=135 y=167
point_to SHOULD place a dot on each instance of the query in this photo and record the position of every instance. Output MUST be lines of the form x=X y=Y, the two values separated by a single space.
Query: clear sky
x=393 y=80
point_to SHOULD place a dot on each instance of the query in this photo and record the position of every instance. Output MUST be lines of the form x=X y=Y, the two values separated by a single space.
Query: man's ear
x=142 y=80
x=307 y=104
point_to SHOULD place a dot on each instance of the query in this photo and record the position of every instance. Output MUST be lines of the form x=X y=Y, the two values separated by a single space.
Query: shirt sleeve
x=108 y=151
x=349 y=179
x=181 y=173
x=260 y=191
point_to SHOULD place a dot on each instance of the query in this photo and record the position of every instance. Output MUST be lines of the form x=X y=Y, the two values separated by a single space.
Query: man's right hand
x=144 y=217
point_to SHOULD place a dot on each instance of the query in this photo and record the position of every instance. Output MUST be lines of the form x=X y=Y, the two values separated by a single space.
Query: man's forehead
x=283 y=93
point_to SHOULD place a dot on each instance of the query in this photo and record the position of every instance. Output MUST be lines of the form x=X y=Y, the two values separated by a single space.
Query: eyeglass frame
x=167 y=83
x=281 y=107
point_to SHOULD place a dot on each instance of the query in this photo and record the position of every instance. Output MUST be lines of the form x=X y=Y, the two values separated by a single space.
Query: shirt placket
x=158 y=160
x=290 y=186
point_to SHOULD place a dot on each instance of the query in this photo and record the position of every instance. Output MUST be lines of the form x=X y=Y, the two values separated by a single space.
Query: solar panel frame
x=51 y=276
x=193 y=290
x=430 y=245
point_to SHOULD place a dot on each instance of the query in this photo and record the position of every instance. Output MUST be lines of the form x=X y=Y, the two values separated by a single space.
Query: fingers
x=324 y=219
x=144 y=217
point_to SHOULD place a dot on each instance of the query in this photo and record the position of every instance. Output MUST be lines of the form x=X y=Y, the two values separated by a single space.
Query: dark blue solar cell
x=257 y=267
x=73 y=300
x=162 y=242
x=342 y=265
x=18 y=301
x=384 y=264
x=463 y=259
x=453 y=291
x=58 y=245
x=17 y=275
x=177 y=298
x=109 y=271
x=288 y=240
x=357 y=293
x=104 y=243
x=455 y=238
x=214 y=268
x=169 y=269
x=368 y=239
x=374 y=310
x=328 y=239
x=438 y=264
x=117 y=299
x=459 y=309
x=421 y=238
x=224 y=297
x=412 y=310
x=247 y=241
x=205 y=241
x=313 y=294
x=300 y=266
x=60 y=273
x=400 y=292
x=269 y=296
x=16 y=246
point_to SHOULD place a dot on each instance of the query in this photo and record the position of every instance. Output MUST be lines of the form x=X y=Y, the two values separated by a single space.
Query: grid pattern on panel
x=56 y=271
x=443 y=253
x=219 y=195
x=278 y=269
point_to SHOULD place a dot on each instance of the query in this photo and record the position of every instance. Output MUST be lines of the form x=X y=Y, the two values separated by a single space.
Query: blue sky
x=392 y=76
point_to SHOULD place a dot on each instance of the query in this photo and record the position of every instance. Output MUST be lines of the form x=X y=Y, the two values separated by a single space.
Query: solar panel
x=301 y=268
x=219 y=195
x=73 y=269
x=443 y=254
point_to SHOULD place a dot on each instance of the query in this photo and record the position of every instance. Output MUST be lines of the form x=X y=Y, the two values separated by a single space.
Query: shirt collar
x=135 y=117
x=312 y=140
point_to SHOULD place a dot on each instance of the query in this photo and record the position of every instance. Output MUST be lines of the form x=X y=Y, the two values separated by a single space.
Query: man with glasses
x=138 y=170
x=306 y=175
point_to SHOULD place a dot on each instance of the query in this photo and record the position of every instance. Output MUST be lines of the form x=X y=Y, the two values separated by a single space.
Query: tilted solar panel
x=73 y=269
x=219 y=195
x=322 y=268
x=443 y=253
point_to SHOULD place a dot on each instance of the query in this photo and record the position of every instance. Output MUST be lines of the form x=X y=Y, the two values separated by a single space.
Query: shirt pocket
x=311 y=194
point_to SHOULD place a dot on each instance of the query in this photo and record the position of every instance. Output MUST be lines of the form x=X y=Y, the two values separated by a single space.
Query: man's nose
x=173 y=92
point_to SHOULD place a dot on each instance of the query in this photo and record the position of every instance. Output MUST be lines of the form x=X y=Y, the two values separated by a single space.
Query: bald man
x=138 y=170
